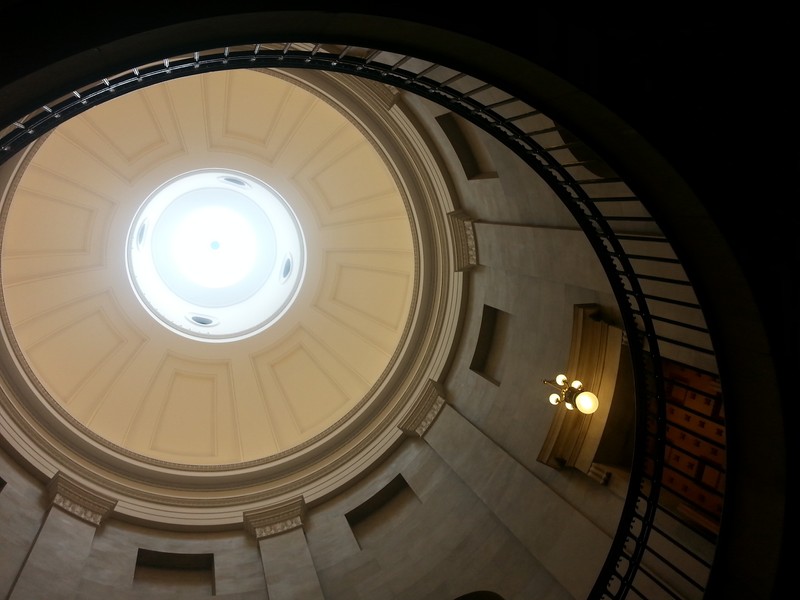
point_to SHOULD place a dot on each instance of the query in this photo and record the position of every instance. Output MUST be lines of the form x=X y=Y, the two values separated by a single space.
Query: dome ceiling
x=100 y=358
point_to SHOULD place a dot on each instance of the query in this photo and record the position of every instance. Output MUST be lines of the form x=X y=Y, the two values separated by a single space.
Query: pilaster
x=288 y=567
x=54 y=566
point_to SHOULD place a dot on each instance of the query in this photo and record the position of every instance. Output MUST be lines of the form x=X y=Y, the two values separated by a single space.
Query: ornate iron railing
x=647 y=555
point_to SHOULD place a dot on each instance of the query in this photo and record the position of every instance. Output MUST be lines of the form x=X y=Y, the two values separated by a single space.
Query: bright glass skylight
x=216 y=255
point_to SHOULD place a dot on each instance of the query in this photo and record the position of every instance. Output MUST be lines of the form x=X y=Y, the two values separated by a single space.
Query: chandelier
x=572 y=395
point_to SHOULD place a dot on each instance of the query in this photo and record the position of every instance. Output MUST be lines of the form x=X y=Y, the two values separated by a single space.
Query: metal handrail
x=626 y=239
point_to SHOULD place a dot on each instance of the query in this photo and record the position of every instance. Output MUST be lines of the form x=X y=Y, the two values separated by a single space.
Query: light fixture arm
x=552 y=383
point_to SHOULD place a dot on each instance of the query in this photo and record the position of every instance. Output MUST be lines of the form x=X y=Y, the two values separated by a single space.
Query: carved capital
x=280 y=517
x=424 y=411
x=79 y=500
x=466 y=248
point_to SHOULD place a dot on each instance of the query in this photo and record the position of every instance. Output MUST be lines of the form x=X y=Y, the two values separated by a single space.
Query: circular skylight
x=215 y=255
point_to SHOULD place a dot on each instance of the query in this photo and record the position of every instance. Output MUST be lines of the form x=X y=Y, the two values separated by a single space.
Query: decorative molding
x=78 y=500
x=466 y=247
x=424 y=412
x=280 y=517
